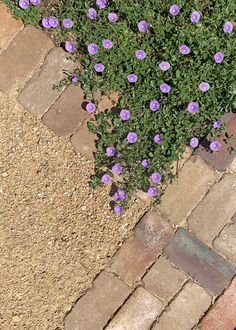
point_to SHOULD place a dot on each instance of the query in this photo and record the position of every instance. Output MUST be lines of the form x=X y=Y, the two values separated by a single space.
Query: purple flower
x=185 y=50
x=67 y=23
x=70 y=46
x=132 y=78
x=142 y=26
x=91 y=107
x=110 y=151
x=145 y=163
x=217 y=124
x=113 y=17
x=92 y=49
x=75 y=79
x=120 y=195
x=158 y=139
x=106 y=179
x=35 y=2
x=92 y=13
x=101 y=3
x=195 y=17
x=154 y=105
x=228 y=27
x=140 y=54
x=53 y=21
x=107 y=44
x=174 y=10
x=204 y=86
x=118 y=209
x=194 y=142
x=24 y=4
x=155 y=177
x=45 y=23
x=165 y=88
x=117 y=169
x=164 y=66
x=99 y=67
x=193 y=107
x=219 y=57
x=215 y=145
x=152 y=192
x=125 y=114
x=132 y=137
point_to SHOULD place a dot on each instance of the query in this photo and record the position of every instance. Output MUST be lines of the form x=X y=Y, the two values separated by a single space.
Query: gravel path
x=55 y=233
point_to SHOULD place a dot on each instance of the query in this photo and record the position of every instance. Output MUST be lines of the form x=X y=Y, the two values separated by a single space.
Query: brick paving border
x=189 y=238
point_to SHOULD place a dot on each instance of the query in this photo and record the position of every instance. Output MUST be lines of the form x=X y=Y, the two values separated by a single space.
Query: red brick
x=221 y=159
x=137 y=254
x=93 y=310
x=22 y=57
x=67 y=114
x=196 y=259
x=9 y=27
x=139 y=312
x=39 y=95
x=163 y=280
x=83 y=141
x=222 y=316
x=185 y=310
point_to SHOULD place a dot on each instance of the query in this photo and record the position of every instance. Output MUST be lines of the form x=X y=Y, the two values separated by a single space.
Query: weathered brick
x=225 y=243
x=83 y=141
x=215 y=211
x=138 y=313
x=221 y=159
x=67 y=114
x=163 y=280
x=93 y=310
x=137 y=254
x=177 y=165
x=232 y=166
x=9 y=27
x=185 y=310
x=39 y=95
x=180 y=197
x=196 y=259
x=24 y=55
x=222 y=316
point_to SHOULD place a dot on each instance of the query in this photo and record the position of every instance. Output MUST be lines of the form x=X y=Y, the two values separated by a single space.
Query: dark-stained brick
x=39 y=95
x=67 y=114
x=93 y=310
x=138 y=313
x=9 y=27
x=137 y=254
x=222 y=316
x=204 y=265
x=221 y=159
x=22 y=57
x=83 y=141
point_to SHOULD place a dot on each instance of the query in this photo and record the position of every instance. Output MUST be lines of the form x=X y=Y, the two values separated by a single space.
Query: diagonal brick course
x=23 y=56
x=225 y=243
x=196 y=259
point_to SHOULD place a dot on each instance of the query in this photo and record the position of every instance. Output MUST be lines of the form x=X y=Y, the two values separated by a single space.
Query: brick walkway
x=177 y=271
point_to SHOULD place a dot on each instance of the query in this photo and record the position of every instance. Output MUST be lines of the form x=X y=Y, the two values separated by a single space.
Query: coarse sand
x=56 y=233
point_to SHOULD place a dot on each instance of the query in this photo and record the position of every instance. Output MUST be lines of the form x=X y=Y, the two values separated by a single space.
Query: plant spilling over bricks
x=173 y=65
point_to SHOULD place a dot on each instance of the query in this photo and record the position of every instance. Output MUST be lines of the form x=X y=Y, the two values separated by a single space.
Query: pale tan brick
x=180 y=197
x=186 y=309
x=9 y=27
x=177 y=165
x=39 y=95
x=215 y=211
x=138 y=313
x=93 y=310
x=225 y=243
x=163 y=280
x=22 y=57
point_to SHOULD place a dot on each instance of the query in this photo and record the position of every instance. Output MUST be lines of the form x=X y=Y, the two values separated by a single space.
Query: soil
x=56 y=234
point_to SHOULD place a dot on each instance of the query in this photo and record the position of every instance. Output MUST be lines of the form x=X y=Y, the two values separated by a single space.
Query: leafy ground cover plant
x=173 y=65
